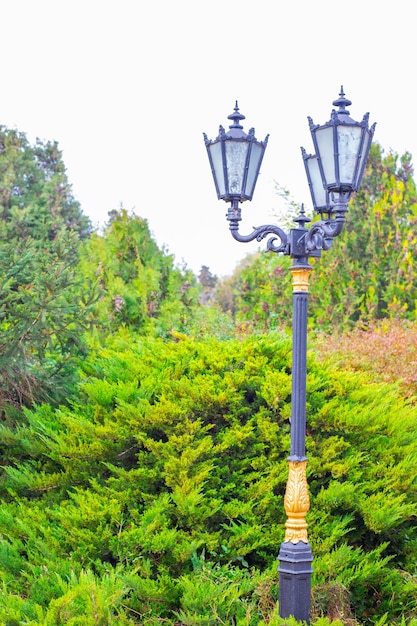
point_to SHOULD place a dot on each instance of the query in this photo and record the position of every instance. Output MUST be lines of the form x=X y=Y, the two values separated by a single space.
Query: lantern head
x=235 y=159
x=341 y=149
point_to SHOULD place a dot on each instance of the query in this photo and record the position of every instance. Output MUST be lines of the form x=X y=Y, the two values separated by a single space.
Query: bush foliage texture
x=160 y=492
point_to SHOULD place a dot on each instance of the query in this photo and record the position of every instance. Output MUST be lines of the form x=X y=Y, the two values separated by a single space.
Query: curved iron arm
x=321 y=234
x=299 y=242
x=258 y=233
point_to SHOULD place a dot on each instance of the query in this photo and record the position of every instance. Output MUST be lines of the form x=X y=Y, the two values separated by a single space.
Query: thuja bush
x=158 y=497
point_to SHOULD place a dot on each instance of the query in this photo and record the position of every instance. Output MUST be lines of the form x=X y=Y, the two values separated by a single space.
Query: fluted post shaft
x=295 y=555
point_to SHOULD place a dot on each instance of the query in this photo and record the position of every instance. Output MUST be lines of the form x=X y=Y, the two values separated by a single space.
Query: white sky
x=127 y=87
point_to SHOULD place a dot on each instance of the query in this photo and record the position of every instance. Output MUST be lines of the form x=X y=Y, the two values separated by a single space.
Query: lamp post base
x=295 y=580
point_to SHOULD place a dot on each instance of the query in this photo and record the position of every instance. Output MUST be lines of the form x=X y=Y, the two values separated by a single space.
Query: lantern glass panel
x=318 y=192
x=217 y=163
x=236 y=153
x=349 y=144
x=254 y=165
x=325 y=151
x=363 y=157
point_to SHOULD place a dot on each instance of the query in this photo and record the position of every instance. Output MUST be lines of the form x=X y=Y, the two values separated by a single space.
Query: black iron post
x=295 y=555
x=333 y=172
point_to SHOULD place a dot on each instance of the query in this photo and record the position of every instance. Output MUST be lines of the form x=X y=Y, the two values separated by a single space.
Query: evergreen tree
x=208 y=282
x=36 y=199
x=41 y=302
x=140 y=285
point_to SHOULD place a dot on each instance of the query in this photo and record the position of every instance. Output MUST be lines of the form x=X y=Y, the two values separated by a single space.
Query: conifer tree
x=140 y=285
x=41 y=305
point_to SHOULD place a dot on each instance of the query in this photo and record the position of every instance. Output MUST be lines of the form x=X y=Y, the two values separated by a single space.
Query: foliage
x=386 y=350
x=42 y=306
x=36 y=199
x=131 y=486
x=258 y=294
x=140 y=286
x=369 y=273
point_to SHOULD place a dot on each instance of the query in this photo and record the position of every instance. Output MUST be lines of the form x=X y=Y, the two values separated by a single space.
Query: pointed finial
x=236 y=117
x=342 y=102
x=302 y=219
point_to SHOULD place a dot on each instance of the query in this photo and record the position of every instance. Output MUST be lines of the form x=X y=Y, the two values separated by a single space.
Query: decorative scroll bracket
x=299 y=242
x=234 y=216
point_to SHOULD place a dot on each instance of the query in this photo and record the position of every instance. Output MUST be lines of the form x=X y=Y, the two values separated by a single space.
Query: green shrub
x=167 y=476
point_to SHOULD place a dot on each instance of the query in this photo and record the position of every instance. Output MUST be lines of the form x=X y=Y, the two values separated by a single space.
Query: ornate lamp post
x=333 y=172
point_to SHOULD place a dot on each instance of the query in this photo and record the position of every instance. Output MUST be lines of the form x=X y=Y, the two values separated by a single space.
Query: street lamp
x=334 y=172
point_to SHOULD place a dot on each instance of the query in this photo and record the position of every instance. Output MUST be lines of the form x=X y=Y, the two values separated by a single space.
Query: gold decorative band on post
x=296 y=503
x=300 y=277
